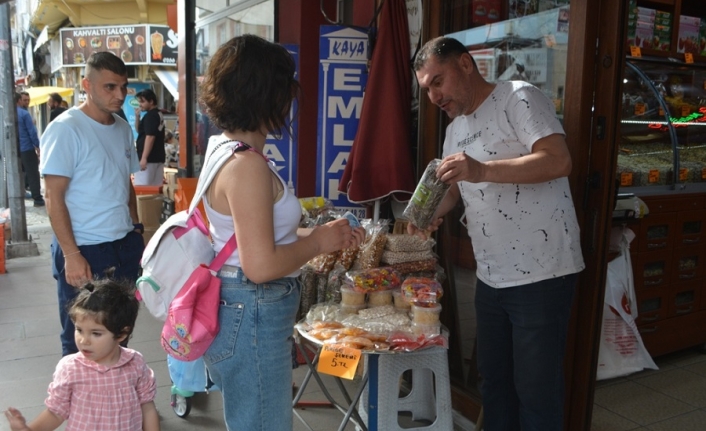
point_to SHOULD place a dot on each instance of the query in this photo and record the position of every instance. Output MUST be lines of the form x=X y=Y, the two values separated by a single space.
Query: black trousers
x=30 y=164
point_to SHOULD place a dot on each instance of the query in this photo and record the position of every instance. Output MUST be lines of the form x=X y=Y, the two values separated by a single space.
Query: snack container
x=401 y=302
x=426 y=330
x=422 y=290
x=351 y=297
x=380 y=297
x=426 y=315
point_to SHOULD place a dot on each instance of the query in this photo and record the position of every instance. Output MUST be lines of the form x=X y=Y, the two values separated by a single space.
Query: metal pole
x=19 y=245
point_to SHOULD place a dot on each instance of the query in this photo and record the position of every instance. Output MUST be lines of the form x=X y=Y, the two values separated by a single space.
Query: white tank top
x=286 y=215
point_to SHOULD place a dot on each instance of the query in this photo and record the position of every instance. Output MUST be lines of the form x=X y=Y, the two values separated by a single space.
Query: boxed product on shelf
x=689 y=28
x=485 y=11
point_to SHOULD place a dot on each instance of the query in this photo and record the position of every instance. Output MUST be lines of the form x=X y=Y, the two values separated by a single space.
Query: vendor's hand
x=424 y=233
x=143 y=165
x=16 y=420
x=460 y=167
x=77 y=271
x=338 y=235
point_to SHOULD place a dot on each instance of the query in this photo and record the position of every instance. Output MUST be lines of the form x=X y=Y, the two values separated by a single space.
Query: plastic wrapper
x=324 y=263
x=422 y=291
x=416 y=266
x=426 y=198
x=321 y=284
x=347 y=257
x=371 y=250
x=313 y=206
x=393 y=257
x=369 y=280
x=336 y=278
x=322 y=312
x=407 y=341
x=407 y=243
x=308 y=290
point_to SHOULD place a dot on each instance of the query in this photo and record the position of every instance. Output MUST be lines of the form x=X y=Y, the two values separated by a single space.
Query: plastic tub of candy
x=426 y=315
x=352 y=297
x=426 y=330
x=401 y=302
x=379 y=297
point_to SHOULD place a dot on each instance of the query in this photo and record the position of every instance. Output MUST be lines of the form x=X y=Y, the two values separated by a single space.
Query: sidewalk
x=30 y=348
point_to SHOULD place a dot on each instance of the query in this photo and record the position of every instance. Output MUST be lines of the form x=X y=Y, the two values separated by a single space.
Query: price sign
x=626 y=179
x=635 y=51
x=689 y=58
x=685 y=110
x=661 y=112
x=703 y=174
x=640 y=108
x=338 y=361
x=683 y=174
x=653 y=176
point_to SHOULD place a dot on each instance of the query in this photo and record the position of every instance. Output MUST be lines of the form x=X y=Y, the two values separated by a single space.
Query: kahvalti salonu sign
x=134 y=44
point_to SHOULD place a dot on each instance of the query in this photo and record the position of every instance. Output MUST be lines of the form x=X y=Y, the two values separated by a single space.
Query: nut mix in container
x=426 y=198
x=369 y=280
x=421 y=291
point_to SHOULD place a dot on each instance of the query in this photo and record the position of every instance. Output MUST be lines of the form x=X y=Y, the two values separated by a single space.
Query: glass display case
x=663 y=127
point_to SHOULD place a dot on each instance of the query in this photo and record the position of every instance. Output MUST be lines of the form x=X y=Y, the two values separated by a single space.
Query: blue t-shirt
x=98 y=159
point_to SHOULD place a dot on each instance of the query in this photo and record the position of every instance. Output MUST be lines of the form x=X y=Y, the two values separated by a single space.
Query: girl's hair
x=249 y=84
x=112 y=303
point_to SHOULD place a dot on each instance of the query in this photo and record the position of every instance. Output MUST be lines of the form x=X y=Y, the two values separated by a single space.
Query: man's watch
x=139 y=227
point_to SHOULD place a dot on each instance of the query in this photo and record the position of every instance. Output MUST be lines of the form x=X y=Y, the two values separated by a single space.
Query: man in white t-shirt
x=87 y=158
x=505 y=156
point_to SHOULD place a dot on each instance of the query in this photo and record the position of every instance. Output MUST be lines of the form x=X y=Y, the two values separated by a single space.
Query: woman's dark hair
x=112 y=303
x=249 y=84
x=443 y=48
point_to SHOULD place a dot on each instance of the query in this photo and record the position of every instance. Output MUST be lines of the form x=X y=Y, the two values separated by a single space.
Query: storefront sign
x=283 y=150
x=134 y=44
x=343 y=56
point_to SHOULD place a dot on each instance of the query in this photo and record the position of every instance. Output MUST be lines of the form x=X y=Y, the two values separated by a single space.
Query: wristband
x=139 y=227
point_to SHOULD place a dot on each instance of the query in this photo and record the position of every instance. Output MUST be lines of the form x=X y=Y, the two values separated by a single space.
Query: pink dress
x=96 y=397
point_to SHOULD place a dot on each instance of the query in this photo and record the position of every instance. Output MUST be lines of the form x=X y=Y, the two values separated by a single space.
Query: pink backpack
x=192 y=319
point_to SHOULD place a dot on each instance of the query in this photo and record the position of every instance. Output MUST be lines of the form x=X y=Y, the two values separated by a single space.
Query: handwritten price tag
x=640 y=108
x=626 y=179
x=338 y=361
x=689 y=58
x=653 y=176
x=635 y=51
x=685 y=110
x=683 y=174
x=661 y=112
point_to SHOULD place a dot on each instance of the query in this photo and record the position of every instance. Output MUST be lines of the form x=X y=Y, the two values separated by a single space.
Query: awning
x=42 y=38
x=39 y=95
x=170 y=79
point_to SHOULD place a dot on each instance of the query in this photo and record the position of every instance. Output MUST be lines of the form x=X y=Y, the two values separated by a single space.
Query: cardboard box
x=149 y=233
x=688 y=34
x=149 y=209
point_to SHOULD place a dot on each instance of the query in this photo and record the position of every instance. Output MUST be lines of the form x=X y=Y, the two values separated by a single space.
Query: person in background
x=29 y=147
x=505 y=156
x=150 y=140
x=65 y=104
x=54 y=103
x=171 y=149
x=88 y=156
x=104 y=386
x=248 y=91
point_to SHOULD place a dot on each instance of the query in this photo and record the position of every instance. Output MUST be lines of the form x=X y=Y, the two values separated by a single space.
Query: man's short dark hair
x=443 y=48
x=105 y=60
x=148 y=95
x=56 y=97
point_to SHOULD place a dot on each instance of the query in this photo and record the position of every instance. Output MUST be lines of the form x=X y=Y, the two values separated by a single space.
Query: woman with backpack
x=248 y=91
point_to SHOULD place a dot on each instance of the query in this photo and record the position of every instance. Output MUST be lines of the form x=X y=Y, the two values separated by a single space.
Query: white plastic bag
x=621 y=350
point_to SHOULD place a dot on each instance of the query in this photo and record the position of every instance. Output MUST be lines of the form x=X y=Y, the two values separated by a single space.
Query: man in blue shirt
x=29 y=147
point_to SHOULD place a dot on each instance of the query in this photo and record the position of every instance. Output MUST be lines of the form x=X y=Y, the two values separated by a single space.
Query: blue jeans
x=250 y=358
x=123 y=254
x=521 y=345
